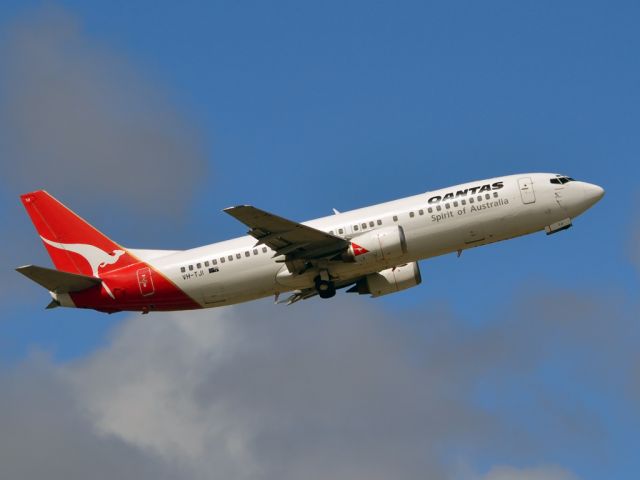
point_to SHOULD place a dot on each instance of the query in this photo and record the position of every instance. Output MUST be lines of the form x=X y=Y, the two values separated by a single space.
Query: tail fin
x=72 y=243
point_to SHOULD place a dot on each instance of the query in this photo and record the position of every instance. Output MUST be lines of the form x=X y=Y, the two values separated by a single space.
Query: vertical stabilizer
x=72 y=243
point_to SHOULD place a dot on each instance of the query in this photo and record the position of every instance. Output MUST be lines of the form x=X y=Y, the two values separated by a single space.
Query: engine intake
x=388 y=281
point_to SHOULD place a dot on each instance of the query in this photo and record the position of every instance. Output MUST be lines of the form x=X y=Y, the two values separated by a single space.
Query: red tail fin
x=73 y=244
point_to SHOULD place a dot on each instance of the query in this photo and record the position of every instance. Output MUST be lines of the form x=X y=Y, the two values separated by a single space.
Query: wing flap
x=287 y=237
x=58 y=281
x=299 y=295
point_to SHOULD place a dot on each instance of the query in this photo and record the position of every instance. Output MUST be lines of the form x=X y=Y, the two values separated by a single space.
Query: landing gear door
x=526 y=190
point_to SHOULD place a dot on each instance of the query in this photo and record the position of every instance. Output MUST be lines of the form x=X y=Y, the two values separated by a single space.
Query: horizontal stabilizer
x=57 y=281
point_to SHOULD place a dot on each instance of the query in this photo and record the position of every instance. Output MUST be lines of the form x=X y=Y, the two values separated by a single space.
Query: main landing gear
x=325 y=287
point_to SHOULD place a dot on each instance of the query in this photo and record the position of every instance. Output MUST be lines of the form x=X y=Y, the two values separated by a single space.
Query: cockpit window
x=561 y=180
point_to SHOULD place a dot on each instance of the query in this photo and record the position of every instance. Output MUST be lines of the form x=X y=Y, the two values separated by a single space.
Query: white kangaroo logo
x=95 y=257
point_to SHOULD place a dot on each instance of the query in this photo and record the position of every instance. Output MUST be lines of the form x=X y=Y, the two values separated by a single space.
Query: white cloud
x=142 y=388
x=319 y=390
x=234 y=392
x=539 y=473
x=44 y=435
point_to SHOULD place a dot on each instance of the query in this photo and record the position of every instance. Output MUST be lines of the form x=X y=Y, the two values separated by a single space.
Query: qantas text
x=467 y=191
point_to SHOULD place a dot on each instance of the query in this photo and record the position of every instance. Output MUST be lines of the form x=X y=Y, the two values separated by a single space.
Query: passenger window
x=230 y=258
x=206 y=264
x=364 y=226
x=447 y=206
x=255 y=251
x=395 y=218
x=182 y=269
x=221 y=259
x=455 y=203
x=464 y=202
x=355 y=227
x=238 y=256
x=421 y=212
x=341 y=231
x=264 y=249
x=411 y=214
x=190 y=268
x=495 y=194
x=214 y=261
x=430 y=210
x=199 y=265
x=438 y=208
x=479 y=198
x=330 y=232
x=246 y=254
x=487 y=196
x=471 y=200
x=371 y=224
x=379 y=222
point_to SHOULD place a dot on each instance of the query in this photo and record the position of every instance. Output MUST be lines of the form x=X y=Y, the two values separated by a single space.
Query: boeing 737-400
x=373 y=250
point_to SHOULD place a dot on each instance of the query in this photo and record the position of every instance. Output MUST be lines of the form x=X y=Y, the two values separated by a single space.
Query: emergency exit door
x=526 y=190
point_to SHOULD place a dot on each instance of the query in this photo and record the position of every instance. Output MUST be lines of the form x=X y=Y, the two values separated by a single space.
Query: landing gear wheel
x=325 y=288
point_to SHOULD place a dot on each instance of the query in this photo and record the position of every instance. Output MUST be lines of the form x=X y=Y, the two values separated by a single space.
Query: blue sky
x=298 y=107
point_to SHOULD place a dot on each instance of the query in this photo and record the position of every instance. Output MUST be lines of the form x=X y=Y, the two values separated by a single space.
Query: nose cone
x=592 y=193
x=578 y=197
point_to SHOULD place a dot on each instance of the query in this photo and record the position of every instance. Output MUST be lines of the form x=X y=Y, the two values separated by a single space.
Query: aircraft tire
x=326 y=289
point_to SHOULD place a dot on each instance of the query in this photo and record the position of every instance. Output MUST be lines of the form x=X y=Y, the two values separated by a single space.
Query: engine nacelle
x=390 y=280
x=380 y=244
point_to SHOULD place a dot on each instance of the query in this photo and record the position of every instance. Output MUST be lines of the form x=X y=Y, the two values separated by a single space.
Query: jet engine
x=388 y=281
x=380 y=244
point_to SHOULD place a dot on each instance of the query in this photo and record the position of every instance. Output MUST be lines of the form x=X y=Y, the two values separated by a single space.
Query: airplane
x=372 y=250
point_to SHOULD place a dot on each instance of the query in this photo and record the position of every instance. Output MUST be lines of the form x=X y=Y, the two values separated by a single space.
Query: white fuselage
x=434 y=223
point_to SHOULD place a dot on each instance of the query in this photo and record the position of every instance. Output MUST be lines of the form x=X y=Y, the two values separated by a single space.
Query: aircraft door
x=526 y=190
x=145 y=281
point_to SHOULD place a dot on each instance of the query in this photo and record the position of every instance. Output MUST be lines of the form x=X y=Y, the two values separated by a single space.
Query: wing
x=292 y=239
